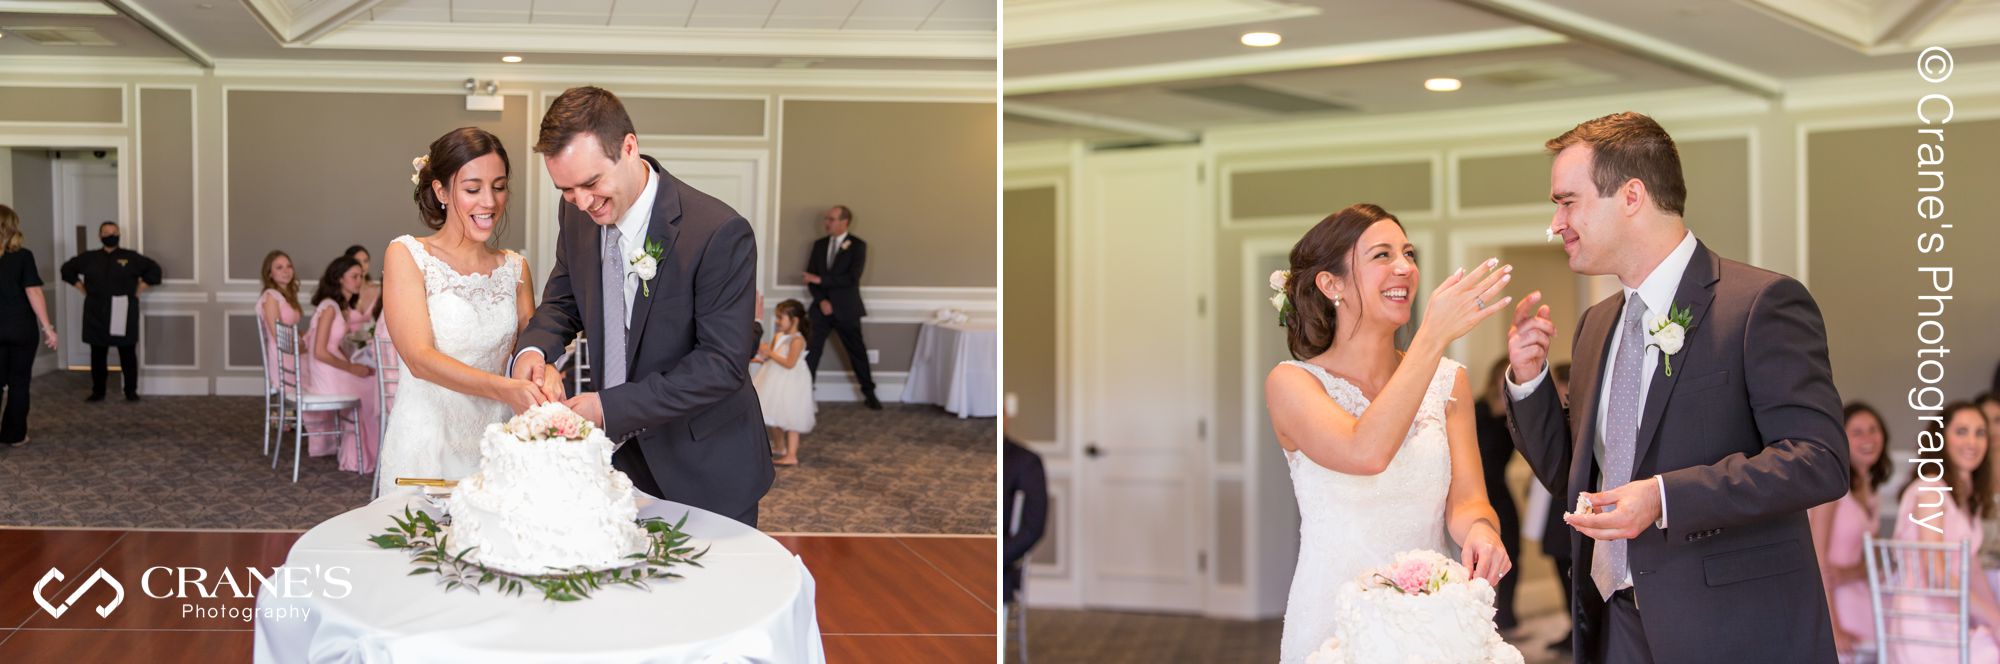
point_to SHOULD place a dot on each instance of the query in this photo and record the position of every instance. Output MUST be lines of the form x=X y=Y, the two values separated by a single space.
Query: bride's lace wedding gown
x=433 y=431
x=1349 y=523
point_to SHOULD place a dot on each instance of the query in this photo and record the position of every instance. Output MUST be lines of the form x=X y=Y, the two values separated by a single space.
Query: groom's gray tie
x=1621 y=435
x=614 y=311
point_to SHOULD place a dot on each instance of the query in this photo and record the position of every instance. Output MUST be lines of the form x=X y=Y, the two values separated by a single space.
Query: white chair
x=274 y=408
x=388 y=372
x=1903 y=568
x=578 y=355
x=346 y=409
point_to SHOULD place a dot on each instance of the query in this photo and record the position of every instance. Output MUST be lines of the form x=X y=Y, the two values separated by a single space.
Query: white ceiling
x=932 y=35
x=1370 y=57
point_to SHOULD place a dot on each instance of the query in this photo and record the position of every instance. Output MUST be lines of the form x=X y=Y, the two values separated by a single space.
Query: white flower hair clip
x=1279 y=280
x=417 y=168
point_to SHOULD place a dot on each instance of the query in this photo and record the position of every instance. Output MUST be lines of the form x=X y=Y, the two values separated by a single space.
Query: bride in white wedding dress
x=453 y=305
x=1381 y=444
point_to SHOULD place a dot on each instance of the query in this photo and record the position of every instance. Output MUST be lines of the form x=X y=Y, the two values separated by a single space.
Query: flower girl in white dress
x=784 y=385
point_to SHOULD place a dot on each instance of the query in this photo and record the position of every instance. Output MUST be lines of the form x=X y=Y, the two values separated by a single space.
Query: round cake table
x=750 y=601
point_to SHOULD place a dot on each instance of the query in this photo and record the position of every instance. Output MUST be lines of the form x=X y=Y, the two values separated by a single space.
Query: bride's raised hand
x=521 y=395
x=1466 y=299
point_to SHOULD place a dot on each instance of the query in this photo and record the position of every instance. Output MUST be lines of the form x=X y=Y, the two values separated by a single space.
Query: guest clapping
x=1838 y=528
x=20 y=296
x=1949 y=511
x=330 y=372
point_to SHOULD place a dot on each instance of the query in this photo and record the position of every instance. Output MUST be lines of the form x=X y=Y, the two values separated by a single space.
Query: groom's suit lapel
x=1587 y=388
x=664 y=228
x=1696 y=291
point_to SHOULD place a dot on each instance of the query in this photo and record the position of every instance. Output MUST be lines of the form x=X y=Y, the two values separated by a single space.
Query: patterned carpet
x=194 y=462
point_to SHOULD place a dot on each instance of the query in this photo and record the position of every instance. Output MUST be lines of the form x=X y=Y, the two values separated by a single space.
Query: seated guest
x=1025 y=499
x=329 y=372
x=1958 y=501
x=1838 y=527
x=371 y=290
x=278 y=305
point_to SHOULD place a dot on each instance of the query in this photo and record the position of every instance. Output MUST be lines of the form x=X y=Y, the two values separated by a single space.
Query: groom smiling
x=1702 y=422
x=660 y=278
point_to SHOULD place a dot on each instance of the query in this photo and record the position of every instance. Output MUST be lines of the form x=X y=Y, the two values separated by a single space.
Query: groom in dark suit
x=1702 y=422
x=660 y=277
x=833 y=276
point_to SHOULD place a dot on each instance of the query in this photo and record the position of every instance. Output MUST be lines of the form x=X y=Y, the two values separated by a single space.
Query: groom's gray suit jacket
x=1746 y=435
x=688 y=400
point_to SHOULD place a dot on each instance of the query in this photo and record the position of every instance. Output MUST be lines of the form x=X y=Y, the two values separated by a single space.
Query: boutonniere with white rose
x=1280 y=279
x=1668 y=333
x=646 y=263
x=844 y=244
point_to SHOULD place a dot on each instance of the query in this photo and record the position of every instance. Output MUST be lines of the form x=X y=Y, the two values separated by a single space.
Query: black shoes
x=94 y=398
x=132 y=396
x=874 y=403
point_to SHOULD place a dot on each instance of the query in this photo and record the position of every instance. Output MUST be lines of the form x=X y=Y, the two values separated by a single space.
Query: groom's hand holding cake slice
x=1701 y=424
x=660 y=278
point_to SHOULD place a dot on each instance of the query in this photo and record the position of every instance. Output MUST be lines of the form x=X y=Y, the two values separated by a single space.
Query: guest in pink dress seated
x=330 y=372
x=278 y=305
x=1838 y=528
x=1959 y=498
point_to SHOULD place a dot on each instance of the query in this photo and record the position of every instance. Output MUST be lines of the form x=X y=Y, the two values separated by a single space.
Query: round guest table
x=956 y=366
x=750 y=601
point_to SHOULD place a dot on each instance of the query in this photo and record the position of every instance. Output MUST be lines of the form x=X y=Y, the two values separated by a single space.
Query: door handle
x=1092 y=451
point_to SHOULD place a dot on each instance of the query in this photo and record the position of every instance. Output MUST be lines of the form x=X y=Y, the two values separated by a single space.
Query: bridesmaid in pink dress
x=328 y=369
x=279 y=304
x=1970 y=481
x=1838 y=528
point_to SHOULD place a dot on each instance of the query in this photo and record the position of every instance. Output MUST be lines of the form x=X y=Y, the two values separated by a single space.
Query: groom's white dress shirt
x=631 y=238
x=1657 y=290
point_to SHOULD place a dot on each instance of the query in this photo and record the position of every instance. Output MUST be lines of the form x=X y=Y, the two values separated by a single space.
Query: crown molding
x=454 y=72
x=534 y=38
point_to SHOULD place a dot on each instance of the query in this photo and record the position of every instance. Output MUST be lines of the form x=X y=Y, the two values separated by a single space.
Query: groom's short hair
x=586 y=109
x=1625 y=146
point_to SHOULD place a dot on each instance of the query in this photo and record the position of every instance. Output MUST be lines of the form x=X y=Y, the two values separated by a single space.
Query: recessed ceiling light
x=1261 y=39
x=1442 y=84
x=511 y=59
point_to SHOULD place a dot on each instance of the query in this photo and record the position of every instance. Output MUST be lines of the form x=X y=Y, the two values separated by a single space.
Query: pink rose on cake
x=1420 y=572
x=549 y=421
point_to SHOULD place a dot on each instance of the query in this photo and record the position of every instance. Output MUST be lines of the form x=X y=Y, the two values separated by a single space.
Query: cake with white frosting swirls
x=1419 y=608
x=546 y=498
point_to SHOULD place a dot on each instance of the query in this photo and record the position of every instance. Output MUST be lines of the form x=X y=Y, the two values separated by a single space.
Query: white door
x=86 y=194
x=734 y=177
x=1141 y=267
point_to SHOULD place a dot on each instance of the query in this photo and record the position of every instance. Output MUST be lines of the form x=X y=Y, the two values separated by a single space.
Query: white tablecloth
x=956 y=366
x=751 y=601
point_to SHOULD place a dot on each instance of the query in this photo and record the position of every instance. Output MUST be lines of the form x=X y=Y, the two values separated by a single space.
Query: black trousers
x=1623 y=637
x=128 y=363
x=850 y=338
x=17 y=365
x=631 y=460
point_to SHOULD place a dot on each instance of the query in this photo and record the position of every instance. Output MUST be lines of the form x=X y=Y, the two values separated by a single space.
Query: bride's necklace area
x=462 y=262
x=1369 y=390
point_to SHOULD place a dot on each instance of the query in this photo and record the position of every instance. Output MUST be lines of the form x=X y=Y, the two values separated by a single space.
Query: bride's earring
x=1336 y=299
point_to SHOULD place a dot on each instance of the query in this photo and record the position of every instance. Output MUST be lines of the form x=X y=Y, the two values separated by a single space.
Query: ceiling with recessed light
x=1172 y=69
x=791 y=34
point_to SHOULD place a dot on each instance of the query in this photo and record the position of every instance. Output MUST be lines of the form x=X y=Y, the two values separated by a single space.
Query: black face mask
x=111 y=241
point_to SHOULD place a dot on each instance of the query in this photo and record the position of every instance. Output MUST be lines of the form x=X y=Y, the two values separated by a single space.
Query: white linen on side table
x=750 y=602
x=956 y=366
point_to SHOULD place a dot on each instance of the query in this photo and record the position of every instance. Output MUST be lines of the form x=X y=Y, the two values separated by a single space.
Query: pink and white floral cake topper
x=549 y=421
x=1418 y=572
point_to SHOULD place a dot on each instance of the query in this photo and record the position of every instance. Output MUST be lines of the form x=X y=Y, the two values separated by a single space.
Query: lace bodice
x=1349 y=523
x=434 y=432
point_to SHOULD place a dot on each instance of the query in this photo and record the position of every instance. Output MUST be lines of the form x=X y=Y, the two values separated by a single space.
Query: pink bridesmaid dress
x=357 y=453
x=1957 y=526
x=1851 y=607
x=286 y=316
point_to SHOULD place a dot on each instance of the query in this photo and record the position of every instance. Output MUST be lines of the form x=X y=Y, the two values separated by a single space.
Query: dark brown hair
x=449 y=153
x=1878 y=473
x=586 y=109
x=288 y=291
x=845 y=213
x=798 y=313
x=1309 y=323
x=329 y=284
x=1976 y=500
x=1630 y=145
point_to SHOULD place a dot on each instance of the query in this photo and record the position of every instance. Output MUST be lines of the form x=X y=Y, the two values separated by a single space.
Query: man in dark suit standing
x=833 y=275
x=111 y=281
x=661 y=278
x=1702 y=422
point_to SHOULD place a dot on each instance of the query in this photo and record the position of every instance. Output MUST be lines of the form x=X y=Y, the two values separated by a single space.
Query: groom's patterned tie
x=614 y=311
x=1621 y=435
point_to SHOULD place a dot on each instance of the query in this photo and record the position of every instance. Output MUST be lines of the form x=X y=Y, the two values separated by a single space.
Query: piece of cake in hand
x=1419 y=608
x=546 y=498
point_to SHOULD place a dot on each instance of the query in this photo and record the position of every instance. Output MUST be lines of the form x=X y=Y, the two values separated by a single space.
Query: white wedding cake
x=546 y=498
x=1419 y=608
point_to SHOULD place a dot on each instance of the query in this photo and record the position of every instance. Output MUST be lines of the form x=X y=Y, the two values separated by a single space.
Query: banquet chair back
x=346 y=410
x=274 y=413
x=577 y=361
x=1910 y=569
x=388 y=372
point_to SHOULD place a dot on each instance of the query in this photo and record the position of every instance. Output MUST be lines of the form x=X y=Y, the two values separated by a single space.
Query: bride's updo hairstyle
x=449 y=153
x=1328 y=247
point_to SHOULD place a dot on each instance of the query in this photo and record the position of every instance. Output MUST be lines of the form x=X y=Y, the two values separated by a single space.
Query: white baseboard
x=1231 y=602
x=239 y=386
x=847 y=391
x=166 y=385
x=1052 y=593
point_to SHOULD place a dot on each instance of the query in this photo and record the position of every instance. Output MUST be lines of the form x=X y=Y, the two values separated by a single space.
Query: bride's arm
x=406 y=310
x=1468 y=513
x=1308 y=420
